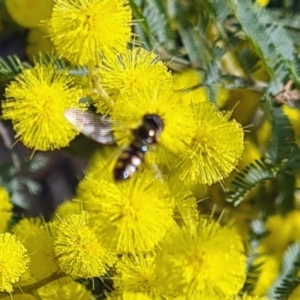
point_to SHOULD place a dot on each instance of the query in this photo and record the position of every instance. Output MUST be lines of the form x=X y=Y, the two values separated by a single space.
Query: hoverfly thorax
x=149 y=130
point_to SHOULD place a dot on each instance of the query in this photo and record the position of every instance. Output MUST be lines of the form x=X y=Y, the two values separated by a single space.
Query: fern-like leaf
x=288 y=279
x=282 y=146
x=11 y=66
x=61 y=64
x=253 y=268
x=16 y=181
x=271 y=43
x=152 y=25
x=253 y=175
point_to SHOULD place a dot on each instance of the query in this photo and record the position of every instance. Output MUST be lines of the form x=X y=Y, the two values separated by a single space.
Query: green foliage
x=61 y=64
x=11 y=66
x=16 y=179
x=282 y=146
x=281 y=160
x=288 y=279
x=253 y=273
x=253 y=175
x=271 y=43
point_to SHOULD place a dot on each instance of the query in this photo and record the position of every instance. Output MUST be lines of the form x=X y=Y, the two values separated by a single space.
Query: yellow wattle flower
x=28 y=13
x=129 y=72
x=162 y=101
x=278 y=236
x=293 y=219
x=35 y=102
x=249 y=297
x=202 y=261
x=132 y=216
x=36 y=237
x=263 y=135
x=293 y=115
x=63 y=289
x=5 y=209
x=216 y=146
x=81 y=29
x=282 y=230
x=262 y=2
x=187 y=85
x=37 y=42
x=130 y=296
x=78 y=249
x=66 y=209
x=186 y=206
x=269 y=267
x=14 y=261
x=244 y=104
x=136 y=275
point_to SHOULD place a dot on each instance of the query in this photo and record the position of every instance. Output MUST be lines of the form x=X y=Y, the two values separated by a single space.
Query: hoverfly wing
x=95 y=127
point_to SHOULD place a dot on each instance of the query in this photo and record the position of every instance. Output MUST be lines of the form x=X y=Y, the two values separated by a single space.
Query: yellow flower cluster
x=198 y=143
x=146 y=232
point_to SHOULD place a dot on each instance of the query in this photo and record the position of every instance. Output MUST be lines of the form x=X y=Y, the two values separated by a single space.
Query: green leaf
x=282 y=146
x=248 y=60
x=138 y=15
x=193 y=43
x=16 y=181
x=50 y=59
x=286 y=185
x=288 y=278
x=61 y=64
x=253 y=269
x=253 y=175
x=11 y=66
x=271 y=43
x=253 y=273
x=159 y=24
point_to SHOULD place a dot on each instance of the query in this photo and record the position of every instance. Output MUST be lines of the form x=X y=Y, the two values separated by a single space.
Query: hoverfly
x=132 y=156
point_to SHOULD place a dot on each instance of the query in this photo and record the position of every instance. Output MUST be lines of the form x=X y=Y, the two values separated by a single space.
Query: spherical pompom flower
x=136 y=275
x=132 y=216
x=216 y=147
x=203 y=261
x=5 y=209
x=28 y=13
x=36 y=101
x=14 y=261
x=187 y=85
x=78 y=249
x=130 y=296
x=81 y=29
x=66 y=209
x=268 y=267
x=129 y=72
x=186 y=208
x=63 y=289
x=154 y=98
x=248 y=297
x=37 y=42
x=35 y=235
x=262 y=2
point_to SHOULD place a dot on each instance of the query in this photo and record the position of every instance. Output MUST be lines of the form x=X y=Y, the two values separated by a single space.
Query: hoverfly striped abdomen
x=132 y=156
